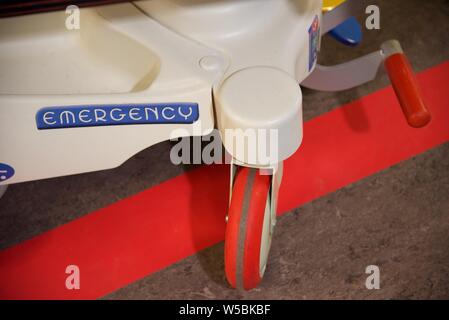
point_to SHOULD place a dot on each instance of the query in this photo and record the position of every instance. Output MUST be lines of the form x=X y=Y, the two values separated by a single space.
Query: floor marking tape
x=149 y=231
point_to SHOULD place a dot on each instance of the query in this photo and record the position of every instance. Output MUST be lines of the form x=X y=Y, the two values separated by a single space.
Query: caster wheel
x=248 y=230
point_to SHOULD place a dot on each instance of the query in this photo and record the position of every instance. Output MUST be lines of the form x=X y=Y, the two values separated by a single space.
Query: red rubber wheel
x=248 y=231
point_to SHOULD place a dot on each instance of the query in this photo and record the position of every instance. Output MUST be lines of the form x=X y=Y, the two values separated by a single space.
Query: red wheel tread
x=253 y=232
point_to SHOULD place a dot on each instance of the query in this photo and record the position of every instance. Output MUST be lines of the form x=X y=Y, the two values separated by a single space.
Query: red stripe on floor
x=144 y=233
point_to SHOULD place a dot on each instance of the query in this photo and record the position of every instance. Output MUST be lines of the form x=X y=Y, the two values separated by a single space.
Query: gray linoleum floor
x=397 y=219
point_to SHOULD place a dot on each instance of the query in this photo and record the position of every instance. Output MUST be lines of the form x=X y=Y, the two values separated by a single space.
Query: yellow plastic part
x=330 y=4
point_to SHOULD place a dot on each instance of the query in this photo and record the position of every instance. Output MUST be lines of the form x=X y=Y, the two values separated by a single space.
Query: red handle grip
x=407 y=90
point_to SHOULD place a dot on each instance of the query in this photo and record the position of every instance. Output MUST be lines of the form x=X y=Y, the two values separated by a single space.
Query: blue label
x=314 y=39
x=117 y=114
x=6 y=172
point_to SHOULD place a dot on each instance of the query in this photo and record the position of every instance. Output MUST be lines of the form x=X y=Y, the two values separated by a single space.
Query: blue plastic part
x=6 y=172
x=116 y=114
x=349 y=32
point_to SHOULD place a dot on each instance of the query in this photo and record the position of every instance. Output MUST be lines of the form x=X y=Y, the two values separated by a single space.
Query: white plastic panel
x=120 y=56
x=154 y=51
x=38 y=55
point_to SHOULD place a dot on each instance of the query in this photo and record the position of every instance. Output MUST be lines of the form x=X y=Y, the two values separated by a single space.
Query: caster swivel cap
x=262 y=103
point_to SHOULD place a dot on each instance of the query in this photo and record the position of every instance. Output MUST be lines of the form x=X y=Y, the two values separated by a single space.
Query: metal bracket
x=346 y=75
